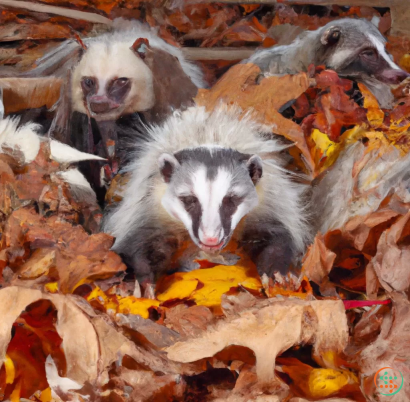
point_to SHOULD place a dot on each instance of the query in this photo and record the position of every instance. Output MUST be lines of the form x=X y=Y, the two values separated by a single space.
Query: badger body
x=205 y=179
x=354 y=48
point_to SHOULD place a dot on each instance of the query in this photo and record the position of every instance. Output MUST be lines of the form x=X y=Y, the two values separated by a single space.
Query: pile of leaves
x=75 y=326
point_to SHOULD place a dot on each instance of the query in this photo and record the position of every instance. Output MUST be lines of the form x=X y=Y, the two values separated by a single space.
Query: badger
x=205 y=179
x=354 y=48
x=115 y=82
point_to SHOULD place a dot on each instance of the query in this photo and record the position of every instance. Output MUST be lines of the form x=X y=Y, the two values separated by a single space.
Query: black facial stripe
x=195 y=212
x=117 y=90
x=226 y=210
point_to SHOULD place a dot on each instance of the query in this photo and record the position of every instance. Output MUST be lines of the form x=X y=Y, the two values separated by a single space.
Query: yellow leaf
x=133 y=305
x=123 y=305
x=178 y=290
x=10 y=370
x=207 y=285
x=46 y=395
x=15 y=395
x=374 y=114
x=324 y=382
x=109 y=303
x=51 y=287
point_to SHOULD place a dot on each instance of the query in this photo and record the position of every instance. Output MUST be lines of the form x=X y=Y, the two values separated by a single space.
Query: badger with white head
x=354 y=48
x=207 y=178
x=113 y=82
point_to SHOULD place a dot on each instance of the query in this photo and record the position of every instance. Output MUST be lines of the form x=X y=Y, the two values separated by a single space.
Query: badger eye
x=122 y=80
x=88 y=82
x=231 y=200
x=369 y=54
x=189 y=201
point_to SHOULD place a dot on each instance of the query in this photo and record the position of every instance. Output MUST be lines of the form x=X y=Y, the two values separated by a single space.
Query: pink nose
x=211 y=241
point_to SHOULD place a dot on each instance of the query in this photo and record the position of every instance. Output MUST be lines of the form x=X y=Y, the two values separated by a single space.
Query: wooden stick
x=65 y=12
x=221 y=53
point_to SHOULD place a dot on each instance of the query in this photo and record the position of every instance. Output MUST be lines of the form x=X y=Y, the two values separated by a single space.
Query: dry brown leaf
x=29 y=93
x=79 y=338
x=391 y=262
x=158 y=335
x=318 y=260
x=188 y=321
x=390 y=349
x=265 y=97
x=270 y=330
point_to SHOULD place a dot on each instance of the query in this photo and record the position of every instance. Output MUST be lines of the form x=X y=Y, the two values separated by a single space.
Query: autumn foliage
x=76 y=326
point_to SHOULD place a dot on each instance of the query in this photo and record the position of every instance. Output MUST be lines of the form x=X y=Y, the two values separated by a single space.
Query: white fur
x=23 y=138
x=27 y=140
x=279 y=197
x=80 y=187
x=338 y=58
x=382 y=51
x=110 y=56
x=63 y=153
x=210 y=195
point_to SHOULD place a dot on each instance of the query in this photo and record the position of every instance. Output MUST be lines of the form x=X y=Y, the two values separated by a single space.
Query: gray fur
x=342 y=56
x=65 y=56
x=338 y=196
x=147 y=236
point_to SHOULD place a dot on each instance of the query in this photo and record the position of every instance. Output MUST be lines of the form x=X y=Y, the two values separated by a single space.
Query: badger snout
x=101 y=104
x=211 y=240
x=392 y=76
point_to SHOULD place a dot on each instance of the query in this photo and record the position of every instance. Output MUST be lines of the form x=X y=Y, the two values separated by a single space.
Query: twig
x=223 y=53
x=65 y=12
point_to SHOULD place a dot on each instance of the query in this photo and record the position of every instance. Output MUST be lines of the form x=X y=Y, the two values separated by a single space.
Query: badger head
x=210 y=189
x=356 y=49
x=112 y=79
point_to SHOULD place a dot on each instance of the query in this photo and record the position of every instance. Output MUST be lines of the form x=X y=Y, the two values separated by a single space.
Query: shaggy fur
x=280 y=199
x=339 y=196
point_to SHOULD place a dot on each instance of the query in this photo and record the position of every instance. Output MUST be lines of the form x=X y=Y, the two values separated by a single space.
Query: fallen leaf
x=207 y=285
x=240 y=86
x=270 y=330
x=391 y=260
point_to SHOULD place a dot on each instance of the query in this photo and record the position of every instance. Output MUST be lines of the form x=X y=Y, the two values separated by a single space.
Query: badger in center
x=204 y=179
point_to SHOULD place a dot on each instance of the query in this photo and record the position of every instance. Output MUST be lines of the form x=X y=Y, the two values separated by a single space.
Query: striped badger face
x=356 y=49
x=210 y=189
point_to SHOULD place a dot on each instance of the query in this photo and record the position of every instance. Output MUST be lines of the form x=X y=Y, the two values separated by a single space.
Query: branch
x=222 y=53
x=65 y=12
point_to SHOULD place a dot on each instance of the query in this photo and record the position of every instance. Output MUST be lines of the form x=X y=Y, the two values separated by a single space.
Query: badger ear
x=330 y=36
x=140 y=47
x=254 y=165
x=167 y=164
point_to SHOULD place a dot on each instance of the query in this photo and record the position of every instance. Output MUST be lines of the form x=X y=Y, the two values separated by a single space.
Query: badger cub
x=207 y=178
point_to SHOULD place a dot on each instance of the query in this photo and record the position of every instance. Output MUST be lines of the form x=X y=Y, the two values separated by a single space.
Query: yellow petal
x=10 y=370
